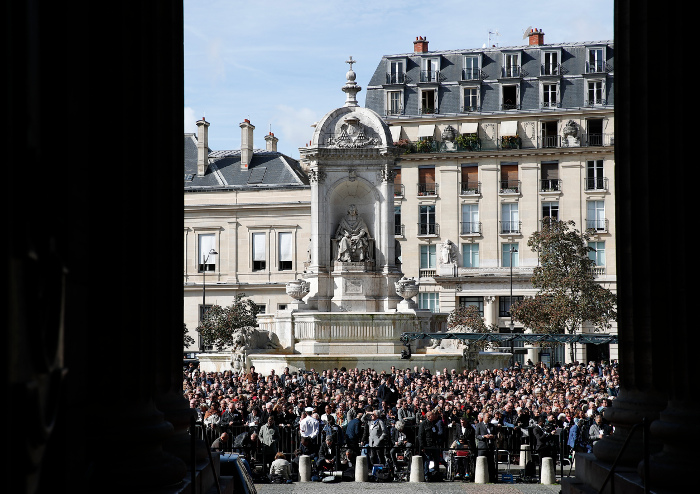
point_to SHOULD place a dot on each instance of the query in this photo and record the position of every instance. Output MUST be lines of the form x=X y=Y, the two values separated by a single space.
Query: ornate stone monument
x=353 y=303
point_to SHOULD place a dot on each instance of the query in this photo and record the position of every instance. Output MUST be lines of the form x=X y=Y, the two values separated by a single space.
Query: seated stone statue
x=352 y=235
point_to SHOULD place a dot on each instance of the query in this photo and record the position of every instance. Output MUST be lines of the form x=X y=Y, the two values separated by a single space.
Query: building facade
x=496 y=141
x=246 y=228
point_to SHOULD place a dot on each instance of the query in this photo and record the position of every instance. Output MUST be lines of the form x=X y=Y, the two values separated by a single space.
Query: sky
x=281 y=64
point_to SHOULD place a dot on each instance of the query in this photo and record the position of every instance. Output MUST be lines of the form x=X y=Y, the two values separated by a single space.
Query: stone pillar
x=547 y=472
x=304 y=468
x=361 y=469
x=417 y=469
x=481 y=472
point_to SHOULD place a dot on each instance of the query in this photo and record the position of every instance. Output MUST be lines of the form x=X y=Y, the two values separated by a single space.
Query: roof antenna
x=495 y=33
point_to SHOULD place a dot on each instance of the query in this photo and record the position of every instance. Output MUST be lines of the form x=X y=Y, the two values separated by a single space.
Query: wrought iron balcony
x=399 y=230
x=548 y=69
x=472 y=74
x=399 y=190
x=394 y=110
x=600 y=139
x=471 y=228
x=470 y=188
x=597 y=224
x=512 y=72
x=509 y=187
x=598 y=67
x=396 y=79
x=428 y=110
x=511 y=227
x=427 y=189
x=428 y=229
x=550 y=185
x=430 y=76
x=596 y=183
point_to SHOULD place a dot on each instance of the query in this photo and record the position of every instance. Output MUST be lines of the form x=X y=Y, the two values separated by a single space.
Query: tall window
x=505 y=303
x=396 y=74
x=470 y=255
x=471 y=99
x=511 y=65
x=259 y=251
x=550 y=95
x=550 y=177
x=426 y=181
x=471 y=68
x=470 y=180
x=429 y=300
x=427 y=225
x=470 y=219
x=509 y=178
x=428 y=258
x=594 y=175
x=510 y=222
x=508 y=252
x=597 y=253
x=430 y=70
x=285 y=251
x=428 y=101
x=398 y=227
x=595 y=215
x=596 y=60
x=398 y=186
x=207 y=243
x=394 y=102
x=550 y=63
x=550 y=210
x=595 y=94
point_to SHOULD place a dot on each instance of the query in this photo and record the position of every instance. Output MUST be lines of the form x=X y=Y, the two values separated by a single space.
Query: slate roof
x=267 y=169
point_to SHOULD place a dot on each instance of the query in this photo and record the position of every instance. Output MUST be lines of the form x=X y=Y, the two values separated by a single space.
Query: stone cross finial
x=350 y=62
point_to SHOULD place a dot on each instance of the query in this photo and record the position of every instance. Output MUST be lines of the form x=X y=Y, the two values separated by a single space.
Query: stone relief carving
x=353 y=134
x=448 y=253
x=317 y=176
x=353 y=238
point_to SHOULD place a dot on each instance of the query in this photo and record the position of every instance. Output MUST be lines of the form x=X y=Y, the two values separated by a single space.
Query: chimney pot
x=420 y=45
x=202 y=147
x=536 y=37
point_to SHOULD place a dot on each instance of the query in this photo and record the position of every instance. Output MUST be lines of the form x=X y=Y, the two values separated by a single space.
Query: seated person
x=280 y=470
x=327 y=455
x=399 y=441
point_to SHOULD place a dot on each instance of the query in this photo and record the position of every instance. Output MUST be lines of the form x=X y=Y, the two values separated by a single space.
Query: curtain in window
x=285 y=247
x=258 y=246
x=206 y=244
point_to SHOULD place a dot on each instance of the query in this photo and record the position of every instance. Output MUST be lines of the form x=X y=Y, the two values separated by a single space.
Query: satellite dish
x=526 y=33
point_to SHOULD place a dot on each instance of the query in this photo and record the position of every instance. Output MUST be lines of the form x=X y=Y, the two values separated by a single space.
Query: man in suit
x=485 y=445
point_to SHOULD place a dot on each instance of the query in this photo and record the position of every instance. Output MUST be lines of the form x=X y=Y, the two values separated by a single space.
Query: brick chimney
x=420 y=45
x=246 y=143
x=536 y=37
x=202 y=147
x=271 y=142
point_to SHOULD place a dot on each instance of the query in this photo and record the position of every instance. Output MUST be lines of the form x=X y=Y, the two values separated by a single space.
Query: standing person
x=354 y=432
x=387 y=392
x=220 y=443
x=428 y=441
x=377 y=437
x=269 y=437
x=485 y=444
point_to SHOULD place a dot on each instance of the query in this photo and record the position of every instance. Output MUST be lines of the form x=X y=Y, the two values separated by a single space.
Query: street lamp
x=212 y=252
x=511 y=325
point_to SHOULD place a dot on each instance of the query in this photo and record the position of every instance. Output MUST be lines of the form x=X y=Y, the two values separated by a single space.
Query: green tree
x=187 y=339
x=219 y=323
x=466 y=319
x=568 y=294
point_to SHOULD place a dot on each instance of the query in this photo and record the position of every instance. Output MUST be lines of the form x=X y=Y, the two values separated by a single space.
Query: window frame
x=288 y=264
x=211 y=244
x=470 y=255
x=257 y=264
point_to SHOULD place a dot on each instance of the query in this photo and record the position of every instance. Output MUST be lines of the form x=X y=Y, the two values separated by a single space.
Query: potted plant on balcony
x=468 y=142
x=511 y=142
x=424 y=145
x=406 y=145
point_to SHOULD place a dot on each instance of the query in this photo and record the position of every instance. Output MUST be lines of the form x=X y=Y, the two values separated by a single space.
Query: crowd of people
x=335 y=415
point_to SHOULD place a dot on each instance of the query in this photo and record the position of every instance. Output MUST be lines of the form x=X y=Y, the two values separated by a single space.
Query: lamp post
x=212 y=252
x=511 y=325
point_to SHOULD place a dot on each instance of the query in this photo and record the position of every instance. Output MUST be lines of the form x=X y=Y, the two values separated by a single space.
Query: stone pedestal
x=417 y=469
x=547 y=473
x=481 y=471
x=361 y=469
x=304 y=468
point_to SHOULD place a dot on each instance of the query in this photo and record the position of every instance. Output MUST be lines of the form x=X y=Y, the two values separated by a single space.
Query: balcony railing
x=597 y=183
x=472 y=74
x=513 y=71
x=396 y=79
x=550 y=185
x=427 y=189
x=598 y=67
x=549 y=141
x=399 y=190
x=395 y=110
x=427 y=272
x=428 y=110
x=471 y=228
x=429 y=76
x=513 y=227
x=509 y=187
x=470 y=188
x=399 y=230
x=598 y=224
x=551 y=69
x=600 y=139
x=428 y=229
x=511 y=142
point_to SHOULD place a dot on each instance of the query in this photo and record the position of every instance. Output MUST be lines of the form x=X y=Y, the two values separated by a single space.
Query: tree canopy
x=466 y=319
x=219 y=323
x=568 y=294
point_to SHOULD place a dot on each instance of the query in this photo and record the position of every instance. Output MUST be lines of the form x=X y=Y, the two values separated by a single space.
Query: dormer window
x=595 y=60
x=551 y=63
x=472 y=68
x=430 y=69
x=511 y=64
x=396 y=72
